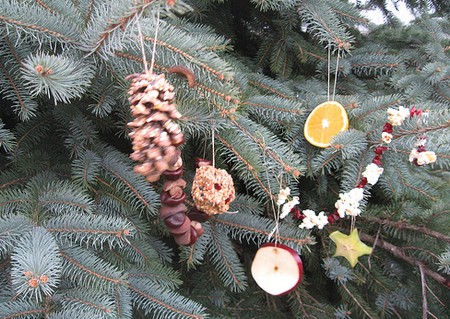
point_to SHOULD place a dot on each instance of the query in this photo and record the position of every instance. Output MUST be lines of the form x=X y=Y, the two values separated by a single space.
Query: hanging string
x=213 y=145
x=156 y=37
x=276 y=230
x=352 y=225
x=141 y=40
x=328 y=71
x=336 y=73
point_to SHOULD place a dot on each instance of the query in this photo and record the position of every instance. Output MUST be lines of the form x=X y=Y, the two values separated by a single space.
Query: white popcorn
x=386 y=137
x=404 y=111
x=413 y=154
x=283 y=195
x=310 y=220
x=422 y=158
x=372 y=173
x=356 y=194
x=396 y=117
x=322 y=220
x=288 y=206
x=348 y=203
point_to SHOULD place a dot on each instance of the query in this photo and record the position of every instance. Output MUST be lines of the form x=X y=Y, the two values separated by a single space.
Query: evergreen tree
x=80 y=233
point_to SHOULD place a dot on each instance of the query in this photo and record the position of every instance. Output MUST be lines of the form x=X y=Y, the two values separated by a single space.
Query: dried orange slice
x=324 y=123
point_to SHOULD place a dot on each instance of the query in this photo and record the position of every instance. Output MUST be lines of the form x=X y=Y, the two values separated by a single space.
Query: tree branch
x=397 y=252
x=420 y=229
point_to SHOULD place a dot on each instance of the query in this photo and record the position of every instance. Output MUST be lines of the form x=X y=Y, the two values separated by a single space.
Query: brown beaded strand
x=173 y=211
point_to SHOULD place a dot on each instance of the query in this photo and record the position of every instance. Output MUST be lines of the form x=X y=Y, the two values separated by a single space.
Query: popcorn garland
x=348 y=203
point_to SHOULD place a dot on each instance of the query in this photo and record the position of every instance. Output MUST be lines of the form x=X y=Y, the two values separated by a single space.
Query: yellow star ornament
x=349 y=246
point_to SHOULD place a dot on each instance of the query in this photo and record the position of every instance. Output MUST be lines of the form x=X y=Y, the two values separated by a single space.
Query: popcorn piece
x=396 y=117
x=348 y=203
x=422 y=158
x=282 y=196
x=310 y=220
x=413 y=155
x=288 y=206
x=426 y=157
x=386 y=137
x=372 y=173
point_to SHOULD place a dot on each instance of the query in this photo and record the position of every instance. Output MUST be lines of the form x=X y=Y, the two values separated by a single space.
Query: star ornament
x=349 y=246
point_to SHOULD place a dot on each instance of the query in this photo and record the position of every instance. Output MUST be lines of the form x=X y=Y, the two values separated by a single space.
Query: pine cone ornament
x=212 y=190
x=155 y=136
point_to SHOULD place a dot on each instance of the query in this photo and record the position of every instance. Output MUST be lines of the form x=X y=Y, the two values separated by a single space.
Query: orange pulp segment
x=324 y=123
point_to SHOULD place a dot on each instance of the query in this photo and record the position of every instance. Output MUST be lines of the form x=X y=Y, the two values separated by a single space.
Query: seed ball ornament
x=212 y=190
x=277 y=269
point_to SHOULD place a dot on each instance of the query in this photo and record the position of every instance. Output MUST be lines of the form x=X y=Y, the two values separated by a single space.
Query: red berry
x=297 y=213
x=421 y=149
x=415 y=111
x=380 y=149
x=334 y=216
x=387 y=128
x=362 y=182
x=377 y=160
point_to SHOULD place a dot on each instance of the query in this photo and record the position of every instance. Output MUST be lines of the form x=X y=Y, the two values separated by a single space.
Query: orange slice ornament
x=325 y=122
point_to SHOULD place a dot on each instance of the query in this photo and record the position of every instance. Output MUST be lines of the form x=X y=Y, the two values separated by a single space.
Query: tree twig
x=420 y=229
x=424 y=293
x=396 y=251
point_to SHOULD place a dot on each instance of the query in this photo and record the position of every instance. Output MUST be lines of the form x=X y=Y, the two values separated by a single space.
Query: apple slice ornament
x=277 y=269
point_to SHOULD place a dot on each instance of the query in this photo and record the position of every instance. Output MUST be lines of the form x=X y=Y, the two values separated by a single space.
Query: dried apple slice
x=277 y=269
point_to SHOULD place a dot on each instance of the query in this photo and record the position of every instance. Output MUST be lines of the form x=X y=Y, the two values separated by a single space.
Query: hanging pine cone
x=155 y=136
x=212 y=190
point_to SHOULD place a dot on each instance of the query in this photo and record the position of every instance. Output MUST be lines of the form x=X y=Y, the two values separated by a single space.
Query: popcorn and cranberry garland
x=348 y=203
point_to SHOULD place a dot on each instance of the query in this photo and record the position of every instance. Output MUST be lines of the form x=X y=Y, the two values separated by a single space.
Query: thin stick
x=424 y=293
x=355 y=300
x=336 y=74
x=436 y=297
x=373 y=246
x=156 y=37
x=328 y=72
